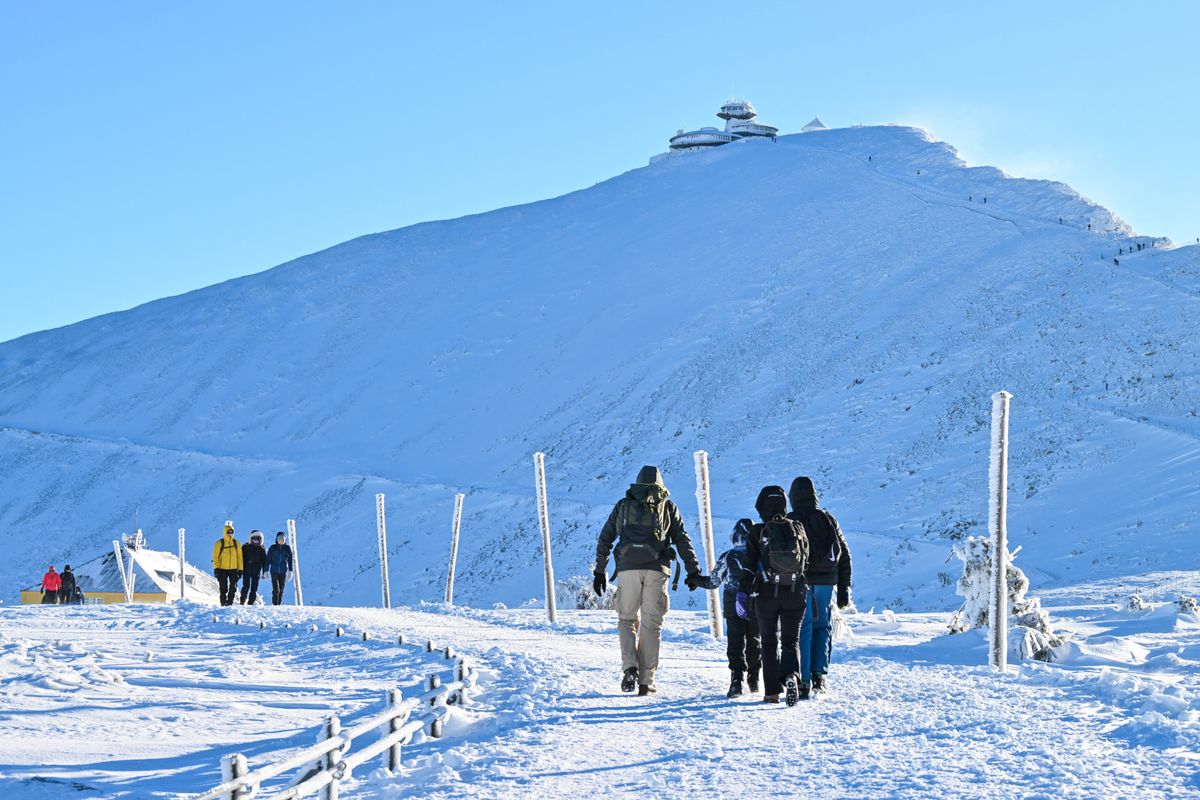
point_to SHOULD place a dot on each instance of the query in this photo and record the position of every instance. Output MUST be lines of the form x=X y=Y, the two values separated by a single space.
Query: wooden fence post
x=233 y=766
x=333 y=727
x=394 y=699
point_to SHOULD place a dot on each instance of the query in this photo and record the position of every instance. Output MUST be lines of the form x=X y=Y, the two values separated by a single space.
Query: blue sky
x=151 y=148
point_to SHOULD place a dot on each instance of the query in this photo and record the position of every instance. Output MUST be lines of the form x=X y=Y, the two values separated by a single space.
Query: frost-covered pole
x=998 y=529
x=137 y=542
x=296 y=588
x=704 y=503
x=381 y=527
x=121 y=571
x=539 y=471
x=454 y=526
x=182 y=570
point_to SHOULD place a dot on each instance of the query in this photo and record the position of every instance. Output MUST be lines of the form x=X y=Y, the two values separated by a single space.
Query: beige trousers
x=642 y=602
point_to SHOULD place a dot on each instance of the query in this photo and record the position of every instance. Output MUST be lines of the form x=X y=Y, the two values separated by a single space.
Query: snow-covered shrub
x=1187 y=605
x=1030 y=633
x=1136 y=603
x=577 y=591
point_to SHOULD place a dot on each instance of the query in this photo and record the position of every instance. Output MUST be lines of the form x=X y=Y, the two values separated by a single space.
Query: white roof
x=815 y=125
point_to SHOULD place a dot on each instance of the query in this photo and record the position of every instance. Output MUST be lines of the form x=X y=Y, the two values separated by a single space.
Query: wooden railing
x=331 y=761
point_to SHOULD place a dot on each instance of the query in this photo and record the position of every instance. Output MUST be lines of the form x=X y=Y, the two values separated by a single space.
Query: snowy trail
x=909 y=715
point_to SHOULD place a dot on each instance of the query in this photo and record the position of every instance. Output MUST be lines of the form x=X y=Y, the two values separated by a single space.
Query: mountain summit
x=840 y=304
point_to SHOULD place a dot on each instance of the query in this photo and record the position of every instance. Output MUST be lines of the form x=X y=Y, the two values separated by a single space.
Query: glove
x=695 y=581
x=742 y=605
x=843 y=596
x=599 y=582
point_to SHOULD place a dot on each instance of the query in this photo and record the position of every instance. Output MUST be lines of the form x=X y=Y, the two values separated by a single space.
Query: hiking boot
x=802 y=693
x=791 y=687
x=818 y=684
x=630 y=680
x=752 y=681
x=645 y=689
x=770 y=698
x=735 y=685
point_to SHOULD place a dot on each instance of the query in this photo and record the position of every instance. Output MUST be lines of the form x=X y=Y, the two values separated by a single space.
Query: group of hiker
x=249 y=562
x=780 y=581
x=60 y=588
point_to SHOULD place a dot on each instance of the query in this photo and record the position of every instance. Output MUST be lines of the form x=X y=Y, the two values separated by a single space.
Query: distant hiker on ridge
x=828 y=569
x=227 y=564
x=254 y=566
x=645 y=525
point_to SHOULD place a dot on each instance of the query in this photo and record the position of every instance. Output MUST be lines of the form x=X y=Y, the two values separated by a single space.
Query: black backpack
x=784 y=548
x=643 y=534
x=824 y=549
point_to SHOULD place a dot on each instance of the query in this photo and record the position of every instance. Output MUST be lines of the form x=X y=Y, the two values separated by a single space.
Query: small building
x=155 y=579
x=741 y=122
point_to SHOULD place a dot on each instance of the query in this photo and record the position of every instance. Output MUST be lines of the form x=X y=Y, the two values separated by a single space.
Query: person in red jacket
x=51 y=583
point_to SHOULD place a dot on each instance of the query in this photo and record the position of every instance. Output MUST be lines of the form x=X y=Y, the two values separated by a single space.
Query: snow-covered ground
x=911 y=712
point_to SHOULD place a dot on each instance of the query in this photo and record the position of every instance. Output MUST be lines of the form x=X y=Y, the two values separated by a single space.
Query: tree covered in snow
x=578 y=592
x=1029 y=630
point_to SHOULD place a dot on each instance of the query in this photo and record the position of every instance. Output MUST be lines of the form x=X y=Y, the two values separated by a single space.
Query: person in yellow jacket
x=227 y=564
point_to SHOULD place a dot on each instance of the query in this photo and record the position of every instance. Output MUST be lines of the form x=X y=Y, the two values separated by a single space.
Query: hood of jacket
x=228 y=530
x=649 y=475
x=803 y=494
x=771 y=501
x=647 y=492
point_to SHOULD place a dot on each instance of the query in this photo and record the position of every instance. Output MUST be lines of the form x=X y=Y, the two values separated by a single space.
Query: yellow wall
x=35 y=598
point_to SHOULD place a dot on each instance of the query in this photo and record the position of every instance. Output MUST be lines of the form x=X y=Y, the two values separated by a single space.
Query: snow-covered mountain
x=839 y=303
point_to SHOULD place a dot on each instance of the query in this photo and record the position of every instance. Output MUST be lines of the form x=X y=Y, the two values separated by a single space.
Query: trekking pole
x=704 y=502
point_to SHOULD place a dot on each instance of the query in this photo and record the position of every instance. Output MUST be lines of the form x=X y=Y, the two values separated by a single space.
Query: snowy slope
x=839 y=303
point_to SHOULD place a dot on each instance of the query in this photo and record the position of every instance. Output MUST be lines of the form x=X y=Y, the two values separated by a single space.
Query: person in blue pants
x=828 y=573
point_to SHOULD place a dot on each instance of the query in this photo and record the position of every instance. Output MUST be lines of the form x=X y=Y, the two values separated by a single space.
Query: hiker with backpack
x=743 y=646
x=280 y=564
x=646 y=531
x=254 y=566
x=227 y=564
x=828 y=573
x=778 y=549
x=66 y=590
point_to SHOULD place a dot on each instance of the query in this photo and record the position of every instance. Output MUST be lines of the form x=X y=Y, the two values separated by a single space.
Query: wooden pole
x=704 y=502
x=539 y=470
x=381 y=529
x=454 y=528
x=998 y=528
x=296 y=587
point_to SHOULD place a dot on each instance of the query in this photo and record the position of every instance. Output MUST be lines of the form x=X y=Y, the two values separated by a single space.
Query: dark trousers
x=227 y=579
x=250 y=585
x=743 y=645
x=50 y=598
x=780 y=612
x=278 y=579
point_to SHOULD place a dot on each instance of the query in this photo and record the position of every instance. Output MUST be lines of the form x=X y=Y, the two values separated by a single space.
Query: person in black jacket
x=778 y=549
x=644 y=532
x=828 y=570
x=743 y=644
x=66 y=594
x=254 y=566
